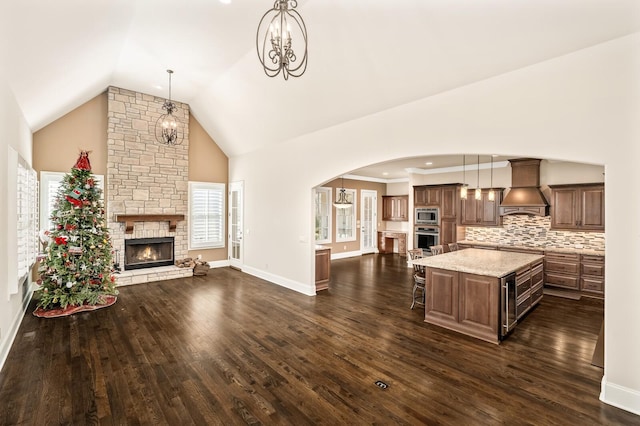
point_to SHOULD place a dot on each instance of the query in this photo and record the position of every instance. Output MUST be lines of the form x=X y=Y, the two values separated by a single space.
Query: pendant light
x=478 y=190
x=168 y=131
x=276 y=44
x=342 y=202
x=463 y=190
x=492 y=193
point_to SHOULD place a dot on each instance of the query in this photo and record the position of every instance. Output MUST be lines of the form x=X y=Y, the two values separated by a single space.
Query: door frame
x=374 y=231
x=239 y=188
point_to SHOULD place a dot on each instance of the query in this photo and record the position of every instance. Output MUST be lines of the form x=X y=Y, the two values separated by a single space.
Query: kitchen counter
x=491 y=263
x=590 y=252
x=481 y=293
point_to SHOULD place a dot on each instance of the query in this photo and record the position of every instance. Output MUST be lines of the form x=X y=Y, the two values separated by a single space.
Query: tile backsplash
x=534 y=231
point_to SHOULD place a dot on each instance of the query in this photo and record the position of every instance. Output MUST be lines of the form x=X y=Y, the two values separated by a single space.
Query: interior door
x=236 y=190
x=368 y=221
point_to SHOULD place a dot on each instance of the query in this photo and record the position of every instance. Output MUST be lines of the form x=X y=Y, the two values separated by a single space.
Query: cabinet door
x=469 y=210
x=434 y=196
x=448 y=233
x=565 y=208
x=419 y=196
x=387 y=207
x=488 y=210
x=592 y=208
x=449 y=204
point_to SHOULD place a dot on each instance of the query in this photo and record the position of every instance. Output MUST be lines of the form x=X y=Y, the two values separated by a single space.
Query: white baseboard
x=218 y=263
x=13 y=331
x=281 y=281
x=619 y=396
x=345 y=254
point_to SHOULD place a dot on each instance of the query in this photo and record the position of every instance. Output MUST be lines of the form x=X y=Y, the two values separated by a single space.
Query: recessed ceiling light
x=385 y=173
x=225 y=1
x=157 y=86
x=494 y=155
x=429 y=163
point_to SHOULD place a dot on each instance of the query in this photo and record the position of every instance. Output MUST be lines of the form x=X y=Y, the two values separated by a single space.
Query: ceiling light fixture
x=478 y=190
x=492 y=193
x=463 y=190
x=275 y=49
x=342 y=202
x=168 y=127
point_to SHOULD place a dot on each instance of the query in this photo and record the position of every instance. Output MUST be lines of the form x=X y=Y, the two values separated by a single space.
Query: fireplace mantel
x=129 y=219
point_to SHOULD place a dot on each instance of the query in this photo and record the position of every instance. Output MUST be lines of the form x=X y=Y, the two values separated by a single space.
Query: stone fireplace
x=146 y=181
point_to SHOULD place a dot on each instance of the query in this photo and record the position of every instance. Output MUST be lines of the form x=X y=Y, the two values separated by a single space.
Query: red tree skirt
x=73 y=309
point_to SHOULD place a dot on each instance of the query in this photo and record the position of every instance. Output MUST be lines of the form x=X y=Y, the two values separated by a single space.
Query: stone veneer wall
x=534 y=231
x=145 y=177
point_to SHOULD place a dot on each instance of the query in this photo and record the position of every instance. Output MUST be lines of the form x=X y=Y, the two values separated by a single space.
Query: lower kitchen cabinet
x=592 y=275
x=562 y=270
x=580 y=274
x=323 y=268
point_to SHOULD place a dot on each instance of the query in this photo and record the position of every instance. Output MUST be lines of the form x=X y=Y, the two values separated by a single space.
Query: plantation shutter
x=206 y=215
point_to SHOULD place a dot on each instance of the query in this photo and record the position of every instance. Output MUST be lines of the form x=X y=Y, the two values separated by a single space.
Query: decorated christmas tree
x=77 y=269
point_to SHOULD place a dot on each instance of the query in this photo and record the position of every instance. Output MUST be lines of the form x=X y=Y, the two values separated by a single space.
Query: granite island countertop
x=492 y=263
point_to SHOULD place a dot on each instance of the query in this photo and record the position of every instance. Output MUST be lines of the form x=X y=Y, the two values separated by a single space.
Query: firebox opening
x=148 y=252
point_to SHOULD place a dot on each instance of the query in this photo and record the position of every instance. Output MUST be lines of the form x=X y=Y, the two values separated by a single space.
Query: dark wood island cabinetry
x=481 y=293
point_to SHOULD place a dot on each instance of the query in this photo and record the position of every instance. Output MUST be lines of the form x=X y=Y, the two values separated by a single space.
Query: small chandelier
x=463 y=190
x=275 y=47
x=167 y=127
x=342 y=202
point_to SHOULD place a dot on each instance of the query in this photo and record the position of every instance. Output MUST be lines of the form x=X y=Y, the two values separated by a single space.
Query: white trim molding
x=346 y=254
x=619 y=396
x=308 y=290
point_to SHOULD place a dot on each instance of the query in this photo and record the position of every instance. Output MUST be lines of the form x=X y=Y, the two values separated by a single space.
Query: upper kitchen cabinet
x=395 y=208
x=482 y=212
x=577 y=207
x=450 y=202
x=427 y=195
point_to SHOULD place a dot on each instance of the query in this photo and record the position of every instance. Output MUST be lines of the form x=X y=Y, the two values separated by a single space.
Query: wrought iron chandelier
x=342 y=202
x=274 y=40
x=168 y=131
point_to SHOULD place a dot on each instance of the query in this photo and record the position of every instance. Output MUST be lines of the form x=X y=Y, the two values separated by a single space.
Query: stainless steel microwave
x=426 y=216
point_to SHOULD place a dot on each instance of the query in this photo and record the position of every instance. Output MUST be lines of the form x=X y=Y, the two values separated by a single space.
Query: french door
x=236 y=190
x=368 y=221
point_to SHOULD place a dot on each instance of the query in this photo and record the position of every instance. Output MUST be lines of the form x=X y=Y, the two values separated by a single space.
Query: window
x=346 y=218
x=27 y=217
x=323 y=215
x=49 y=184
x=206 y=215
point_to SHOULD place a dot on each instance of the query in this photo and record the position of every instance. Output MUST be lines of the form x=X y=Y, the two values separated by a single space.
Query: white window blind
x=206 y=215
x=27 y=220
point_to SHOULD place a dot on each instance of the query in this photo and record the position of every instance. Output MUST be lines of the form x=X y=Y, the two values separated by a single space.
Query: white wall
x=16 y=134
x=580 y=107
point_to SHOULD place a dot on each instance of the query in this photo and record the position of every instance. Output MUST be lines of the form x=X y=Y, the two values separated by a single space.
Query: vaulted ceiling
x=365 y=56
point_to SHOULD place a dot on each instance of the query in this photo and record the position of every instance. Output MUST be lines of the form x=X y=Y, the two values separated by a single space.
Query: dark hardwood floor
x=228 y=348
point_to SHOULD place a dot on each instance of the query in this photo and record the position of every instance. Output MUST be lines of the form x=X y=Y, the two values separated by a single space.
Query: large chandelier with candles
x=281 y=40
x=168 y=130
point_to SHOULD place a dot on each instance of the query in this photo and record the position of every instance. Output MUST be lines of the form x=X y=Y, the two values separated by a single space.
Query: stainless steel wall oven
x=426 y=236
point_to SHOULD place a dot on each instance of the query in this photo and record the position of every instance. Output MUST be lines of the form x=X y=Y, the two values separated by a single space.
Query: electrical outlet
x=344 y=248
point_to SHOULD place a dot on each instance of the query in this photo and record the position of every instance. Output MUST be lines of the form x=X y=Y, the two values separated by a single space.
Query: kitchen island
x=481 y=293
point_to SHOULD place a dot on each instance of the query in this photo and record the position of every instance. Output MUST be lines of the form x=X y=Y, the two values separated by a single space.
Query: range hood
x=525 y=196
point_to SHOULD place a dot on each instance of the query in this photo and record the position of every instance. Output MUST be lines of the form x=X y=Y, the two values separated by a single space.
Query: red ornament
x=70 y=227
x=60 y=240
x=83 y=162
